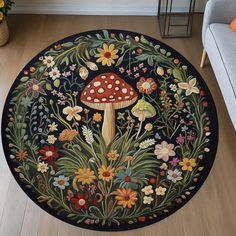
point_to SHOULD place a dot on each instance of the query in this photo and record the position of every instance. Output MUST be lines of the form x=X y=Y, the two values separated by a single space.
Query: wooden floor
x=211 y=212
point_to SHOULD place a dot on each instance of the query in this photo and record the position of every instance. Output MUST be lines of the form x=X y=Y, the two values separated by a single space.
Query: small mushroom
x=108 y=92
x=143 y=110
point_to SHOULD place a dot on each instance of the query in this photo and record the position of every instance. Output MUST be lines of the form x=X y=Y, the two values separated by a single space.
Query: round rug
x=110 y=130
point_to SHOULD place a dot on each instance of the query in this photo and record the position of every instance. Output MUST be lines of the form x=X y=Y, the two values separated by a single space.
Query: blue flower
x=127 y=179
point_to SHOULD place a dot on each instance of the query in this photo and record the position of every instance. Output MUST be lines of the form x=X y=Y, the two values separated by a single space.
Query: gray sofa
x=219 y=42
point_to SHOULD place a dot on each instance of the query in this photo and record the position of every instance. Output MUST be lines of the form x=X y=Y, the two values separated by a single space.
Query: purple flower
x=35 y=88
x=174 y=161
x=144 y=69
x=61 y=102
x=141 y=65
x=136 y=75
x=72 y=67
x=180 y=139
x=135 y=69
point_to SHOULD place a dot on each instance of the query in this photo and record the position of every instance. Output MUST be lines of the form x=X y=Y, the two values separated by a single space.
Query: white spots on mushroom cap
x=109 y=86
x=111 y=96
x=89 y=98
x=92 y=91
x=119 y=98
x=89 y=86
x=117 y=88
x=106 y=81
x=112 y=77
x=96 y=100
x=85 y=93
x=117 y=82
x=103 y=77
x=101 y=90
x=104 y=99
x=131 y=93
x=97 y=83
x=123 y=84
x=127 y=97
x=124 y=90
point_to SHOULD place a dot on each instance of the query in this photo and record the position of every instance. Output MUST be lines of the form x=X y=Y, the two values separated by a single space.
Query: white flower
x=52 y=127
x=174 y=176
x=54 y=73
x=72 y=112
x=51 y=139
x=148 y=127
x=48 y=60
x=147 y=190
x=164 y=166
x=136 y=38
x=147 y=143
x=42 y=167
x=189 y=87
x=173 y=87
x=88 y=135
x=61 y=181
x=160 y=191
x=164 y=151
x=147 y=200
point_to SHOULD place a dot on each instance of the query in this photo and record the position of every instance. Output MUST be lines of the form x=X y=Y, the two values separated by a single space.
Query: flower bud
x=160 y=71
x=83 y=72
x=91 y=65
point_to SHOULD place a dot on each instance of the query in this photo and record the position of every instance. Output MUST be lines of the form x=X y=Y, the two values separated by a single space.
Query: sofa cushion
x=220 y=44
x=225 y=40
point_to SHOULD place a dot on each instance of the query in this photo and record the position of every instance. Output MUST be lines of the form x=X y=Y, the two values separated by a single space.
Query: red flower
x=205 y=104
x=152 y=180
x=162 y=173
x=146 y=85
x=202 y=93
x=80 y=201
x=49 y=153
x=142 y=218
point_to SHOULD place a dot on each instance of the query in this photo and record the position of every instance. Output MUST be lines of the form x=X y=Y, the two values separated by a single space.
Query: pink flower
x=180 y=139
x=174 y=161
x=129 y=72
x=136 y=75
x=164 y=151
x=122 y=70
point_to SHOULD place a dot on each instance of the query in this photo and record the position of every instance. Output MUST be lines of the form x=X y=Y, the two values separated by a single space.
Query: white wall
x=97 y=7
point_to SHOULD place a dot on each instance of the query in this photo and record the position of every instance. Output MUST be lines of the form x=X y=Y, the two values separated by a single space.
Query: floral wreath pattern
x=110 y=130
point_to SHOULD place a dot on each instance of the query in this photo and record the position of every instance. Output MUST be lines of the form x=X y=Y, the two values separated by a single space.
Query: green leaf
x=106 y=34
x=67 y=44
x=48 y=86
x=65 y=60
x=87 y=54
x=41 y=68
x=56 y=83
x=24 y=79
x=144 y=40
x=163 y=51
x=119 y=61
x=150 y=61
x=177 y=74
x=168 y=54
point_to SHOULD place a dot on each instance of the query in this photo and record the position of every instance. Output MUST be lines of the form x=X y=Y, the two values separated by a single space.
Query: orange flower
x=112 y=155
x=68 y=135
x=126 y=197
x=106 y=173
x=97 y=117
x=22 y=155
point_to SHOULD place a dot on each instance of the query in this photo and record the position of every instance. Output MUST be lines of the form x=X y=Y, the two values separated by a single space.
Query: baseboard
x=75 y=9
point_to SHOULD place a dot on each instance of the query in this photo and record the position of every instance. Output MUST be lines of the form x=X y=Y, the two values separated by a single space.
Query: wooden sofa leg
x=203 y=58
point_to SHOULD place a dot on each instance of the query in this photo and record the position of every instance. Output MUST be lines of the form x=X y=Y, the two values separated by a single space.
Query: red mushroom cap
x=108 y=88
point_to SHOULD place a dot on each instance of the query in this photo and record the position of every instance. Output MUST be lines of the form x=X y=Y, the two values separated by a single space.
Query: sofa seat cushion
x=220 y=44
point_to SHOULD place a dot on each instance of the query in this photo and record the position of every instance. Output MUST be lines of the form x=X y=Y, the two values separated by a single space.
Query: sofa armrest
x=218 y=11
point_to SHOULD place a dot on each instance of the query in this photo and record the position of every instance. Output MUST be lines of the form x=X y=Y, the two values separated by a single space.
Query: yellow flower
x=85 y=175
x=71 y=112
x=107 y=54
x=188 y=164
x=2 y=3
x=112 y=155
x=22 y=155
x=97 y=117
x=106 y=173
x=126 y=197
x=1 y=16
x=160 y=191
x=190 y=87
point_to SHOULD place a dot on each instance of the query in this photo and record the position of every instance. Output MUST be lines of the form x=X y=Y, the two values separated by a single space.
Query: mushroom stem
x=140 y=127
x=108 y=127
